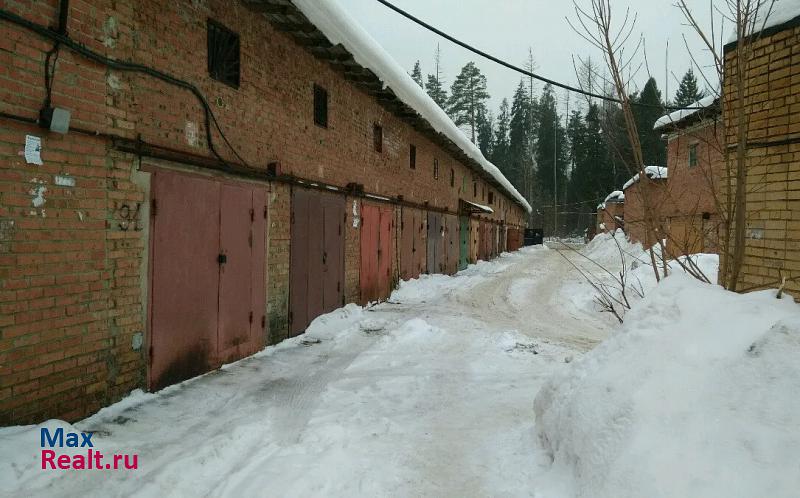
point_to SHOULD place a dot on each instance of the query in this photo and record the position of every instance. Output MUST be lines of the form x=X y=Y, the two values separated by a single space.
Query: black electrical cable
x=89 y=54
x=517 y=68
x=49 y=74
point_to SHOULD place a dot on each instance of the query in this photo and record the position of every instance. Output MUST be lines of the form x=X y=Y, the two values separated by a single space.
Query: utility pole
x=555 y=169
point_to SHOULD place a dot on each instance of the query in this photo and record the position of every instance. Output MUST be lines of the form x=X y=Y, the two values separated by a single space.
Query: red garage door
x=208 y=282
x=377 y=252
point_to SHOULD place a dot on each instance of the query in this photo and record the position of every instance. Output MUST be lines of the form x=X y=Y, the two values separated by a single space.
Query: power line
x=517 y=68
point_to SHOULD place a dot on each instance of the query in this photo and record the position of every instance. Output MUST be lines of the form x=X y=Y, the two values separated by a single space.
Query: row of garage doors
x=394 y=242
x=208 y=263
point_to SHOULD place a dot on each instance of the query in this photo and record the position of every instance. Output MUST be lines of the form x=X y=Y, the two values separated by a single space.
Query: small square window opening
x=377 y=137
x=692 y=155
x=320 y=106
x=223 y=54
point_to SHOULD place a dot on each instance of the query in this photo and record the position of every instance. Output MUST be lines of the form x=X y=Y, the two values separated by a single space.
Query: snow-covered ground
x=488 y=383
x=430 y=394
x=696 y=395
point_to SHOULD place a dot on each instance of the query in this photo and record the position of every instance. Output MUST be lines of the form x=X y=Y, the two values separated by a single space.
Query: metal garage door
x=208 y=282
x=436 y=249
x=475 y=240
x=463 y=242
x=412 y=243
x=316 y=267
x=451 y=243
x=377 y=252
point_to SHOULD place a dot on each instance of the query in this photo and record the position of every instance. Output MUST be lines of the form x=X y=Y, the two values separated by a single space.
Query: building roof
x=615 y=197
x=331 y=34
x=474 y=207
x=707 y=106
x=652 y=172
x=773 y=17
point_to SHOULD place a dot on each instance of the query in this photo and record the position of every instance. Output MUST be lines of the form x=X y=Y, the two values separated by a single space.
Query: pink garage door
x=208 y=283
x=316 y=269
x=377 y=252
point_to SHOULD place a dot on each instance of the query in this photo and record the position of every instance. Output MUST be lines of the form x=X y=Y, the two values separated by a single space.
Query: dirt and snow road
x=429 y=394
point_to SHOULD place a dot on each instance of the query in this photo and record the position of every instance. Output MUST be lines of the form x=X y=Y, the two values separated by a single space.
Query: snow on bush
x=696 y=395
x=610 y=254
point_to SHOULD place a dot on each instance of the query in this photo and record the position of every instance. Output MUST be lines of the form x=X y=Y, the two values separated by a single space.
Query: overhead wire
x=516 y=68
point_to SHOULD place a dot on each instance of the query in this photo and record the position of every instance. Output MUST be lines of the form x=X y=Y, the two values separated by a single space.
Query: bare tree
x=596 y=26
x=748 y=18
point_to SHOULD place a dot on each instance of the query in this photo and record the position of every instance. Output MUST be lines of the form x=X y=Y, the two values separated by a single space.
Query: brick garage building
x=611 y=213
x=229 y=173
x=640 y=193
x=691 y=209
x=772 y=107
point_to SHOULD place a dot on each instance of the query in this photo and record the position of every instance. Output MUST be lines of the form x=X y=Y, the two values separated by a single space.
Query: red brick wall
x=691 y=206
x=73 y=271
x=608 y=216
x=634 y=212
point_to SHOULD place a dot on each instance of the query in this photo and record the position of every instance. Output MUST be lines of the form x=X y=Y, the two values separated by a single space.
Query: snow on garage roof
x=475 y=207
x=676 y=117
x=652 y=172
x=781 y=12
x=617 y=196
x=340 y=28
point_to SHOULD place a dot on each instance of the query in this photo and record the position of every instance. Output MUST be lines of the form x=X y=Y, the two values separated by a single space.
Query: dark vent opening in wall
x=412 y=157
x=320 y=106
x=436 y=169
x=491 y=197
x=223 y=54
x=377 y=137
x=452 y=177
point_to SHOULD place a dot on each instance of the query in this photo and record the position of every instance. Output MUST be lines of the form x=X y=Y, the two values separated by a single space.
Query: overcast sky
x=506 y=28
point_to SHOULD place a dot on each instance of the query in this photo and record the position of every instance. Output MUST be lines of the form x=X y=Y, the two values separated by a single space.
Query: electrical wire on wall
x=62 y=39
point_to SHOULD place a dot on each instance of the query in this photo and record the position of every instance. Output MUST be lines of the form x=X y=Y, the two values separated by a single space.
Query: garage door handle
x=222 y=259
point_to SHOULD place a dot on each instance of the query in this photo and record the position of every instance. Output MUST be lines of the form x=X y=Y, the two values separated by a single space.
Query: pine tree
x=485 y=132
x=435 y=83
x=688 y=91
x=500 y=146
x=551 y=157
x=436 y=92
x=577 y=165
x=416 y=75
x=653 y=147
x=468 y=97
x=597 y=166
x=519 y=138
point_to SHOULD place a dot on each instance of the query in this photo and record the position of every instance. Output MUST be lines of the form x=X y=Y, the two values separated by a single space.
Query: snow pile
x=614 y=250
x=339 y=27
x=777 y=13
x=652 y=172
x=681 y=114
x=608 y=255
x=696 y=395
